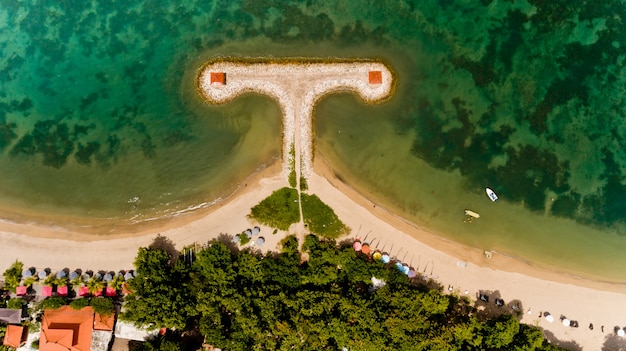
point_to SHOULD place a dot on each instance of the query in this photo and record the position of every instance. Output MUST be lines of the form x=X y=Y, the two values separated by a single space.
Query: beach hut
x=365 y=248
x=21 y=290
x=218 y=78
x=14 y=336
x=62 y=290
x=10 y=315
x=375 y=77
x=83 y=291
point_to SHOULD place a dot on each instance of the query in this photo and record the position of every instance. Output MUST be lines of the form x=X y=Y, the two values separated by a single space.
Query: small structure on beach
x=218 y=78
x=10 y=316
x=375 y=77
x=14 y=336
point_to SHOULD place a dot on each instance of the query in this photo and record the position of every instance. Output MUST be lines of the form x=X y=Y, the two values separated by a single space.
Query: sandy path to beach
x=452 y=264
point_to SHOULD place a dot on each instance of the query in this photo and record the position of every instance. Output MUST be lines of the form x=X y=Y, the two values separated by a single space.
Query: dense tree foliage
x=248 y=301
x=13 y=275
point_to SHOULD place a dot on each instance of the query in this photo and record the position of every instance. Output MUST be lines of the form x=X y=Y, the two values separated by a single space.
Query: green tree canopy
x=277 y=301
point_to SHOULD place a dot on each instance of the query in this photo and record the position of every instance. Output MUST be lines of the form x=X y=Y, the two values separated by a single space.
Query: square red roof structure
x=62 y=290
x=110 y=291
x=83 y=291
x=21 y=290
x=14 y=336
x=66 y=329
x=375 y=77
x=46 y=291
x=218 y=78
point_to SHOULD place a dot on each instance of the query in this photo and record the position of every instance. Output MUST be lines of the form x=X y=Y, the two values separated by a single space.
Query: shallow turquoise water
x=99 y=117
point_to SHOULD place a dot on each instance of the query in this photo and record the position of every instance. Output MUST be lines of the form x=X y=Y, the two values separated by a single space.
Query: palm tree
x=95 y=285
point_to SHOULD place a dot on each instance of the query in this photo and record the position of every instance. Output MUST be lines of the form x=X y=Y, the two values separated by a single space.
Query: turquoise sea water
x=99 y=118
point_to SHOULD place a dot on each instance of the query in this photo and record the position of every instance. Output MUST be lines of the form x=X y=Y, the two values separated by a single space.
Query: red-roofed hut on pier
x=218 y=78
x=375 y=77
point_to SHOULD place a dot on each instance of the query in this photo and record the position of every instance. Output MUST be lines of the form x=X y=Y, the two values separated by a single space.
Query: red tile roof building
x=66 y=329
x=14 y=336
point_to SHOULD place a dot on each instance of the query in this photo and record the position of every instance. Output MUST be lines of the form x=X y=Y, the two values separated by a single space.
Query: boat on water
x=492 y=195
x=472 y=214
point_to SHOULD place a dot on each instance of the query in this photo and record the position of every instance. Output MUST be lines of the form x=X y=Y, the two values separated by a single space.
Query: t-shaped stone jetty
x=297 y=85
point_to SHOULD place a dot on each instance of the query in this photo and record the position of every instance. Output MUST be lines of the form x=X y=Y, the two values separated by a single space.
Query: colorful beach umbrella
x=42 y=275
x=357 y=246
x=260 y=241
x=412 y=273
x=405 y=269
x=365 y=248
x=61 y=274
x=385 y=258
x=377 y=256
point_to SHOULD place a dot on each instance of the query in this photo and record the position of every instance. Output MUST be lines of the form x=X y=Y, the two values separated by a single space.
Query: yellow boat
x=472 y=214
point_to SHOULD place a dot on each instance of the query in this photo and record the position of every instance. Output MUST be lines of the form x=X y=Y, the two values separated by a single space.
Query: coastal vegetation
x=279 y=210
x=244 y=300
x=13 y=275
x=320 y=218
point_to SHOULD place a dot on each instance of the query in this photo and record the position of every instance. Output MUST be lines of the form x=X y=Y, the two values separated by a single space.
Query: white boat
x=492 y=195
x=472 y=214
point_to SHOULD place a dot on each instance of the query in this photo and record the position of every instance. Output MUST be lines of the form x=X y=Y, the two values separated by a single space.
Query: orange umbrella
x=365 y=248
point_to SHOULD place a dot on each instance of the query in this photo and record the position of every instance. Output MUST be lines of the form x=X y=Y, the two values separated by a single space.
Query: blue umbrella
x=107 y=277
x=61 y=274
x=385 y=258
x=27 y=273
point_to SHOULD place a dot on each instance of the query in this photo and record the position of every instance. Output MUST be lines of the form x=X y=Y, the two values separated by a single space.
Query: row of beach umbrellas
x=384 y=257
x=106 y=276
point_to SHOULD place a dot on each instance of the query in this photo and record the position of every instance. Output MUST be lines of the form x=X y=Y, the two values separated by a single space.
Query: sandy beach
x=467 y=270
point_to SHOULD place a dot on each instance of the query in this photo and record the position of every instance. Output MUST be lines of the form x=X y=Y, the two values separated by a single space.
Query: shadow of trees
x=614 y=342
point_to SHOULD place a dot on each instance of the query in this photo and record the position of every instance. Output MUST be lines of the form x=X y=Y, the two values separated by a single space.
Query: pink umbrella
x=21 y=290
x=62 y=290
x=357 y=246
x=46 y=291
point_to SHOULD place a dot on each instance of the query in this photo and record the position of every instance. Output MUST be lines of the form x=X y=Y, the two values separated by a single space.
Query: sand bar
x=463 y=268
